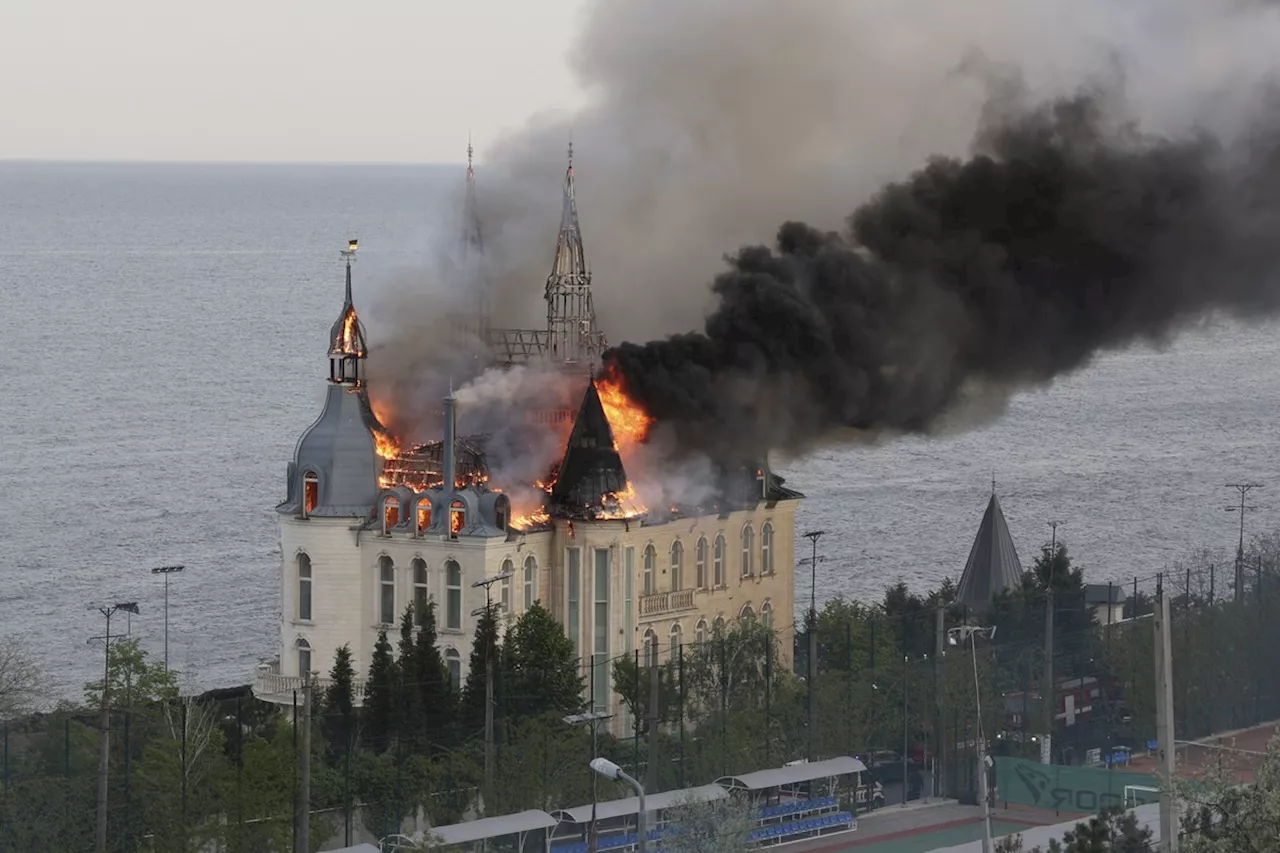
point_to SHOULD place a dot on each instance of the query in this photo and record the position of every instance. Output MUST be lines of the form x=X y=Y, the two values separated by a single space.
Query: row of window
x=746 y=567
x=452 y=659
x=388 y=608
x=703 y=632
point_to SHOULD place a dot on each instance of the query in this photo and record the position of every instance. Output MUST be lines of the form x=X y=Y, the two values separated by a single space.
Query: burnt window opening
x=310 y=492
x=390 y=514
x=424 y=516
x=501 y=512
x=457 y=518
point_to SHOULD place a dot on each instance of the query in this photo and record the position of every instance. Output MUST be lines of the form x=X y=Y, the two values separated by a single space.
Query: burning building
x=370 y=524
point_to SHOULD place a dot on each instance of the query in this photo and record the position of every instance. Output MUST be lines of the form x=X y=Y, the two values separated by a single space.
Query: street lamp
x=812 y=562
x=487 y=583
x=594 y=718
x=100 y=845
x=609 y=770
x=166 y=571
x=955 y=637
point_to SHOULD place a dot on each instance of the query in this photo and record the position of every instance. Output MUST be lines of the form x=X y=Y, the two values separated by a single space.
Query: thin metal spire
x=349 y=255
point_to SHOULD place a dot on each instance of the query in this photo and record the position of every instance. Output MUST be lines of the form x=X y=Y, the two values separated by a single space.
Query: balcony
x=666 y=602
x=270 y=686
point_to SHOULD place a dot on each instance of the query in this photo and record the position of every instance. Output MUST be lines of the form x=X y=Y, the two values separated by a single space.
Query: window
x=390 y=513
x=457 y=518
x=766 y=548
x=453 y=596
x=420 y=592
x=700 y=633
x=746 y=612
x=650 y=648
x=650 y=556
x=387 y=591
x=748 y=550
x=573 y=564
x=501 y=512
x=310 y=492
x=677 y=566
x=718 y=561
x=629 y=591
x=508 y=570
x=424 y=516
x=675 y=638
x=304 y=587
x=454 y=661
x=718 y=630
x=304 y=657
x=530 y=573
x=600 y=661
x=766 y=615
x=700 y=563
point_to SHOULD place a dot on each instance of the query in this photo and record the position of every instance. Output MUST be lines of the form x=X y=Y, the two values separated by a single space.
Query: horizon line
x=75 y=161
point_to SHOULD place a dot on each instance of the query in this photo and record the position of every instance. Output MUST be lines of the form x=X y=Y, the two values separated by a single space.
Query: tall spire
x=473 y=248
x=571 y=316
x=347 y=346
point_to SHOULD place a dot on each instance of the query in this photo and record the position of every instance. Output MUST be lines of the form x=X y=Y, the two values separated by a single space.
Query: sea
x=163 y=335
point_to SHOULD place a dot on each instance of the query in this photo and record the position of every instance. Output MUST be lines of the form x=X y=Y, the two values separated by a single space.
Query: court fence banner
x=1061 y=788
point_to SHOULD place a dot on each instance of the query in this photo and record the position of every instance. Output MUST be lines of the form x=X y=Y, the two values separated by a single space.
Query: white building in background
x=366 y=528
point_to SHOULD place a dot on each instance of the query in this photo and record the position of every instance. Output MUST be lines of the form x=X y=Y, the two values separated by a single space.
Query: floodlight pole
x=971 y=633
x=487 y=583
x=166 y=571
x=104 y=759
x=812 y=630
x=1243 y=489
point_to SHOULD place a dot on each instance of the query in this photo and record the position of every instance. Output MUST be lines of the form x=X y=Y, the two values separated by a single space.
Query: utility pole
x=592 y=718
x=1165 y=745
x=971 y=634
x=166 y=571
x=651 y=777
x=904 y=731
x=939 y=659
x=1243 y=489
x=488 y=583
x=104 y=758
x=812 y=633
x=1048 y=693
x=304 y=762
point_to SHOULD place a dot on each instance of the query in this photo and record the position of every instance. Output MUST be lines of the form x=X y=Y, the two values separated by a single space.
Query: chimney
x=450 y=441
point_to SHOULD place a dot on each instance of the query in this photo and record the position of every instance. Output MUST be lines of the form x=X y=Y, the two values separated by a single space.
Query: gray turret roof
x=339 y=449
x=993 y=561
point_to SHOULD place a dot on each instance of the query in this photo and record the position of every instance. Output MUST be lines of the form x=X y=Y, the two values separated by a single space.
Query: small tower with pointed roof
x=571 y=316
x=347 y=348
x=591 y=475
x=993 y=565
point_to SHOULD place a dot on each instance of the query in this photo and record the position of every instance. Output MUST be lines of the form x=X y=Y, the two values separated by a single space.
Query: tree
x=338 y=720
x=1111 y=831
x=709 y=826
x=135 y=681
x=408 y=722
x=541 y=666
x=21 y=680
x=484 y=654
x=380 y=696
x=435 y=690
x=1225 y=817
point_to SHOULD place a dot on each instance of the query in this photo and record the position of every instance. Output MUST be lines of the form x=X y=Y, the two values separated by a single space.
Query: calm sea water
x=164 y=334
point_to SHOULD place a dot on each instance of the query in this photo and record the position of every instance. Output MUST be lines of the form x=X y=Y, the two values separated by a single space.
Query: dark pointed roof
x=571 y=257
x=993 y=561
x=591 y=473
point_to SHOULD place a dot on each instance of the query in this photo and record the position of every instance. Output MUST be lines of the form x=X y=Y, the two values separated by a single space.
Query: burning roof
x=591 y=482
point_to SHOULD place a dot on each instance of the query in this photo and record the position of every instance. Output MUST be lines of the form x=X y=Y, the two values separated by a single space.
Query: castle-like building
x=367 y=527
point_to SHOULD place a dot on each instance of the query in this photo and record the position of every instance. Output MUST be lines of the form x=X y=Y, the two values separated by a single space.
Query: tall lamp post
x=955 y=637
x=812 y=630
x=166 y=571
x=107 y=610
x=609 y=770
x=594 y=718
x=488 y=583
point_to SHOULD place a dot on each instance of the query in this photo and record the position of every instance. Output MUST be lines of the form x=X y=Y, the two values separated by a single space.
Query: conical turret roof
x=591 y=474
x=346 y=336
x=993 y=561
x=571 y=257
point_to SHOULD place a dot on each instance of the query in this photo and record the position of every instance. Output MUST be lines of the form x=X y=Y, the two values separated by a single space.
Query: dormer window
x=501 y=511
x=457 y=518
x=390 y=514
x=424 y=516
x=310 y=492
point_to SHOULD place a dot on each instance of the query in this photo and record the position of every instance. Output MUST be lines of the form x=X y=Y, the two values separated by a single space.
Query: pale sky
x=276 y=80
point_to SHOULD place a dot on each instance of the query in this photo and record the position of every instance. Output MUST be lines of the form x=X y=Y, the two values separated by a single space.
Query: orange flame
x=537 y=518
x=387 y=445
x=628 y=420
x=349 y=343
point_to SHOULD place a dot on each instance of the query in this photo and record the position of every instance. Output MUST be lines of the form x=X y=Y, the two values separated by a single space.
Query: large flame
x=628 y=420
x=387 y=445
x=348 y=342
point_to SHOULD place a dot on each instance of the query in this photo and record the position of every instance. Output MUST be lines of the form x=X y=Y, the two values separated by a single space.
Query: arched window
x=386 y=590
x=390 y=513
x=700 y=633
x=453 y=660
x=748 y=550
x=717 y=561
x=746 y=612
x=719 y=627
x=304 y=587
x=677 y=566
x=424 y=516
x=508 y=570
x=766 y=615
x=766 y=548
x=457 y=518
x=675 y=638
x=310 y=492
x=650 y=647
x=700 y=562
x=304 y=657
x=530 y=577
x=421 y=594
x=453 y=596
x=650 y=557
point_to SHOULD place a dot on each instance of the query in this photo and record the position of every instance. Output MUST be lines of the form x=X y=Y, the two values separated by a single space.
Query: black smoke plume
x=1067 y=232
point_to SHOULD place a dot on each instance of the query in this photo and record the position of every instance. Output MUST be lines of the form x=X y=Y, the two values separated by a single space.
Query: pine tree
x=339 y=720
x=436 y=696
x=483 y=652
x=380 y=696
x=408 y=708
x=542 y=670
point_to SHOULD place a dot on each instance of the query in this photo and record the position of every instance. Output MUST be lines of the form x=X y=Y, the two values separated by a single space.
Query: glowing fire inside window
x=310 y=492
x=457 y=517
x=424 y=517
x=390 y=514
